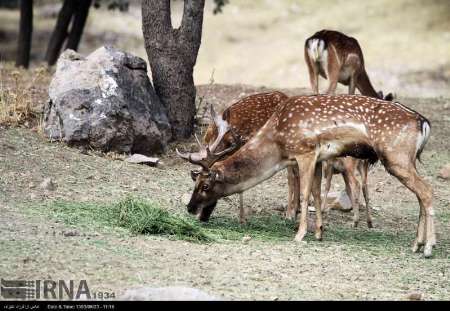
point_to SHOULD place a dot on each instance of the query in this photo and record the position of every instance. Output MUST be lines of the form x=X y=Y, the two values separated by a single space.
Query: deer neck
x=364 y=86
x=255 y=162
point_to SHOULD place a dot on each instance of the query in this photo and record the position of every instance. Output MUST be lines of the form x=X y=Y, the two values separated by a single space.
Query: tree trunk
x=78 y=23
x=60 y=32
x=25 y=32
x=172 y=54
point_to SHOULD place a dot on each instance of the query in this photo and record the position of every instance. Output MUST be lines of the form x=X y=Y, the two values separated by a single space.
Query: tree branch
x=156 y=21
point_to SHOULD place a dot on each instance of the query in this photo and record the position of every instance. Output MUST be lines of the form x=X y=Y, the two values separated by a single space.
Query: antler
x=207 y=156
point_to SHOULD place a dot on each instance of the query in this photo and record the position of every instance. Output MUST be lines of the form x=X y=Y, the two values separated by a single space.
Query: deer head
x=206 y=181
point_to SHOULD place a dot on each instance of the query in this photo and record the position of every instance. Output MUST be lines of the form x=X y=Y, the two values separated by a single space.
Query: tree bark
x=172 y=54
x=59 y=34
x=25 y=33
x=79 y=21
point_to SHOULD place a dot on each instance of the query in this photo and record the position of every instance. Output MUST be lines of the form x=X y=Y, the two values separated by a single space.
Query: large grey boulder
x=105 y=101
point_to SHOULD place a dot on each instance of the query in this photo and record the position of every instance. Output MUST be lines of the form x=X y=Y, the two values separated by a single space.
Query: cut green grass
x=136 y=215
x=139 y=216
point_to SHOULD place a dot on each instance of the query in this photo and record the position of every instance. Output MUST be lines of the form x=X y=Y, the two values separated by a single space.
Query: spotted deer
x=306 y=130
x=245 y=118
x=232 y=129
x=338 y=58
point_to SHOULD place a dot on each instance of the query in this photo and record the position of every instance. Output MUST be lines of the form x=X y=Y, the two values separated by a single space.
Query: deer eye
x=205 y=187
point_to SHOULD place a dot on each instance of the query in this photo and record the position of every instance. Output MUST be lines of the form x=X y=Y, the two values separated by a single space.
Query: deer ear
x=226 y=115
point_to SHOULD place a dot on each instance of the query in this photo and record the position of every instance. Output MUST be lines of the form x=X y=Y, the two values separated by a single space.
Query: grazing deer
x=244 y=118
x=338 y=58
x=309 y=129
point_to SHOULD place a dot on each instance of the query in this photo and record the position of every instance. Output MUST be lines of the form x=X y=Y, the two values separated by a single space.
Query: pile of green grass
x=140 y=216
x=136 y=215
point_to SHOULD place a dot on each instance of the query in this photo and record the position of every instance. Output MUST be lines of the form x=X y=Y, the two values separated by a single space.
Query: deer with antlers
x=232 y=129
x=245 y=118
x=306 y=130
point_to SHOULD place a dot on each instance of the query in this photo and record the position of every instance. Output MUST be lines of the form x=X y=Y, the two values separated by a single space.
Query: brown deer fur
x=338 y=58
x=309 y=129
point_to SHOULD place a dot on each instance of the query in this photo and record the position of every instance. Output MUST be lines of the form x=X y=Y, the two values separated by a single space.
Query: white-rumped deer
x=243 y=118
x=338 y=58
x=309 y=129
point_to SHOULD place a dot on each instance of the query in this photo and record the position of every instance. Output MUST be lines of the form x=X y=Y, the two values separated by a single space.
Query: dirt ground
x=348 y=264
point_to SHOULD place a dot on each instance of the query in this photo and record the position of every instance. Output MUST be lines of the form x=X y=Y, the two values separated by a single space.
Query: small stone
x=444 y=173
x=142 y=159
x=71 y=233
x=48 y=184
x=246 y=239
x=415 y=296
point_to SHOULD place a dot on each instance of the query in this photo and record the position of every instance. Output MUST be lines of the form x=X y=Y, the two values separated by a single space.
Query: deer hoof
x=416 y=246
x=355 y=224
x=369 y=225
x=299 y=237
x=427 y=252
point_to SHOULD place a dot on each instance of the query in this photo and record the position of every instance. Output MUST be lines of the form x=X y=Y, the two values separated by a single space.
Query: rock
x=444 y=173
x=342 y=202
x=415 y=296
x=71 y=233
x=246 y=239
x=48 y=185
x=166 y=294
x=105 y=101
x=142 y=159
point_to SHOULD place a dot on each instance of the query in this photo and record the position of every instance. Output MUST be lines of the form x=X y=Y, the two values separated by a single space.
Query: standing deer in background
x=244 y=118
x=309 y=129
x=338 y=58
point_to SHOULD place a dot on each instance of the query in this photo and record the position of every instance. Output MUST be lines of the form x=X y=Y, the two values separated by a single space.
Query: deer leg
x=363 y=169
x=293 y=200
x=352 y=85
x=313 y=70
x=333 y=71
x=317 y=200
x=306 y=164
x=242 y=210
x=407 y=175
x=352 y=188
x=328 y=172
